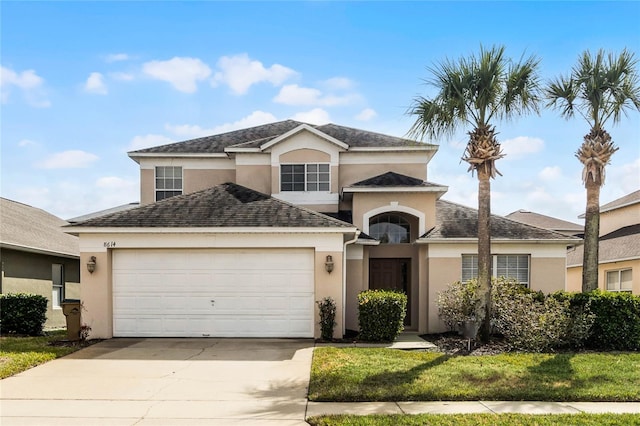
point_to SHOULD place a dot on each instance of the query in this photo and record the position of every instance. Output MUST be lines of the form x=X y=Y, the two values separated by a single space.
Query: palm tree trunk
x=591 y=236
x=484 y=253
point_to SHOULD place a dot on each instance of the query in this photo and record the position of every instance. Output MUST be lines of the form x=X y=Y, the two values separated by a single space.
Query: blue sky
x=85 y=82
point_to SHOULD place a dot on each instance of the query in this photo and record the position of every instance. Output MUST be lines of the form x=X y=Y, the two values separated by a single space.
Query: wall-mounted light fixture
x=328 y=265
x=91 y=264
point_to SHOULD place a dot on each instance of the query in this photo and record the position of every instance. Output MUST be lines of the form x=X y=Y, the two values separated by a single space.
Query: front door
x=392 y=274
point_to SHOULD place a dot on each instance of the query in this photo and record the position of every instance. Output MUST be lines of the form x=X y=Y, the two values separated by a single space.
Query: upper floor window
x=390 y=229
x=619 y=280
x=512 y=266
x=305 y=177
x=168 y=181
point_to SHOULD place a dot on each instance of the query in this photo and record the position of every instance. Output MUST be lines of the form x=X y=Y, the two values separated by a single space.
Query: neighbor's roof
x=454 y=221
x=621 y=244
x=226 y=205
x=254 y=137
x=27 y=228
x=542 y=221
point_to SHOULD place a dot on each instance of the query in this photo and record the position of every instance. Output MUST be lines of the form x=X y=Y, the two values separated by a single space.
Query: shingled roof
x=454 y=221
x=621 y=244
x=254 y=137
x=226 y=205
x=27 y=228
x=543 y=221
x=627 y=200
x=392 y=179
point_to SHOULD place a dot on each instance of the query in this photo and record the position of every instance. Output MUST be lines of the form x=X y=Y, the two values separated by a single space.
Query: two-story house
x=239 y=234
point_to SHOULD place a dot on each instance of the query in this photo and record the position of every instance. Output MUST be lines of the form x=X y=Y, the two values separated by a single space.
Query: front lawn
x=479 y=419
x=21 y=353
x=359 y=374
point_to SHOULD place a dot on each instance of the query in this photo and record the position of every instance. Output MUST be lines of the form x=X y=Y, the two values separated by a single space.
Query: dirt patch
x=454 y=344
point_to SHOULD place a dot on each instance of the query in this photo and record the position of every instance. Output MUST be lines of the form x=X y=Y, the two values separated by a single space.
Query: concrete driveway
x=165 y=382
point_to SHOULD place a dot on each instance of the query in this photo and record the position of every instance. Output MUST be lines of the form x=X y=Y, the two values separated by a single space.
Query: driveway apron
x=165 y=382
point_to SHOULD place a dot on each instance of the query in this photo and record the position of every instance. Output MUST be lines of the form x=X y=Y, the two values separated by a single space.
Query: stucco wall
x=257 y=177
x=422 y=202
x=574 y=275
x=197 y=180
x=616 y=219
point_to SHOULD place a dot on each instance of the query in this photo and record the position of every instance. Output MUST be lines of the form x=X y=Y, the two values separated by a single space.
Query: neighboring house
x=239 y=234
x=38 y=257
x=618 y=250
x=547 y=222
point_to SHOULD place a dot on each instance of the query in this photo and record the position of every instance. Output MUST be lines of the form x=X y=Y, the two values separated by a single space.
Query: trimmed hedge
x=617 y=322
x=22 y=313
x=381 y=314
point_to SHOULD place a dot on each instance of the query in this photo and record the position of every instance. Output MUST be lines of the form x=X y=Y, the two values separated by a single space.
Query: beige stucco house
x=38 y=257
x=618 y=251
x=239 y=234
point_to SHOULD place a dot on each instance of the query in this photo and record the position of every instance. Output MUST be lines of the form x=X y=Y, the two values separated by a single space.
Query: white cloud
x=521 y=146
x=366 y=114
x=239 y=72
x=28 y=82
x=315 y=116
x=114 y=182
x=256 y=118
x=95 y=84
x=26 y=142
x=626 y=176
x=292 y=94
x=73 y=159
x=121 y=76
x=550 y=173
x=147 y=141
x=338 y=83
x=116 y=57
x=182 y=73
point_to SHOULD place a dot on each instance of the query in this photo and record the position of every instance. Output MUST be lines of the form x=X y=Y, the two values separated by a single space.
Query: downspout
x=344 y=280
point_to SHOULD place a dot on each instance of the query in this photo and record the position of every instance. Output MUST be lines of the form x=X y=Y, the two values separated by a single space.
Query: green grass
x=21 y=353
x=479 y=419
x=360 y=374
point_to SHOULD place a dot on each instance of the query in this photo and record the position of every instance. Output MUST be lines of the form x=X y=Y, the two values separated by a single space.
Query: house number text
x=109 y=244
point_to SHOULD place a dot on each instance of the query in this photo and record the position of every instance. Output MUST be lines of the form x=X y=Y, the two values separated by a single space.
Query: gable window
x=57 y=278
x=305 y=177
x=619 y=280
x=168 y=182
x=512 y=266
x=390 y=229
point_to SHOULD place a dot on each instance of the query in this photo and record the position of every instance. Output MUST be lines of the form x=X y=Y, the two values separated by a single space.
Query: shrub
x=23 y=313
x=532 y=322
x=381 y=314
x=617 y=318
x=458 y=303
x=327 y=308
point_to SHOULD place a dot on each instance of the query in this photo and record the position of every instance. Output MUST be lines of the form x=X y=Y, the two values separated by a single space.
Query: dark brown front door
x=391 y=274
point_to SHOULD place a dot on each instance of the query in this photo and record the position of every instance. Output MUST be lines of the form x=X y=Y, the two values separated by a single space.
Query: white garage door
x=213 y=293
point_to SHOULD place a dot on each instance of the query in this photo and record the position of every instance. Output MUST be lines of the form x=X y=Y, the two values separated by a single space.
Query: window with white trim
x=390 y=229
x=168 y=181
x=305 y=177
x=57 y=278
x=513 y=266
x=619 y=280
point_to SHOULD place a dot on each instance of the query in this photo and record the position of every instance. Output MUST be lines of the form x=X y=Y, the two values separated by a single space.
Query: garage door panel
x=257 y=293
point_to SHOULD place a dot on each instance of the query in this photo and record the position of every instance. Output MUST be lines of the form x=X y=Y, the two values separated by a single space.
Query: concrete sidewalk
x=464 y=407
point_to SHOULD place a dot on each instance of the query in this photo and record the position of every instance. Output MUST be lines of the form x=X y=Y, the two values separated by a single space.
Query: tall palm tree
x=600 y=88
x=472 y=92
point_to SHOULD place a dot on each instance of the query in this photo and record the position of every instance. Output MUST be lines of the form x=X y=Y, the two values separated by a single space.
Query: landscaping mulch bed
x=455 y=344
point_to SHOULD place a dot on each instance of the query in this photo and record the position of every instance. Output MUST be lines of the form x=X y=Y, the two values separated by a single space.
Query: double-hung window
x=619 y=280
x=512 y=266
x=168 y=181
x=305 y=177
x=57 y=278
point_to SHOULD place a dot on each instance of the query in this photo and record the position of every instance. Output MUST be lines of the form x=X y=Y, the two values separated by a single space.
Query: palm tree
x=600 y=88
x=473 y=92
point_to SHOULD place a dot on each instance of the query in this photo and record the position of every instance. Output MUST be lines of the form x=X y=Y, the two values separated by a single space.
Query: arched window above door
x=390 y=228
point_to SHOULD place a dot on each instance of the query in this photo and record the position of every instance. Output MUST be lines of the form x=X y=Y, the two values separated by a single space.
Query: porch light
x=328 y=265
x=91 y=264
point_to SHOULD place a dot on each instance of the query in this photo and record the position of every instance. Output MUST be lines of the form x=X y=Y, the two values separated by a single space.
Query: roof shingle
x=226 y=205
x=623 y=243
